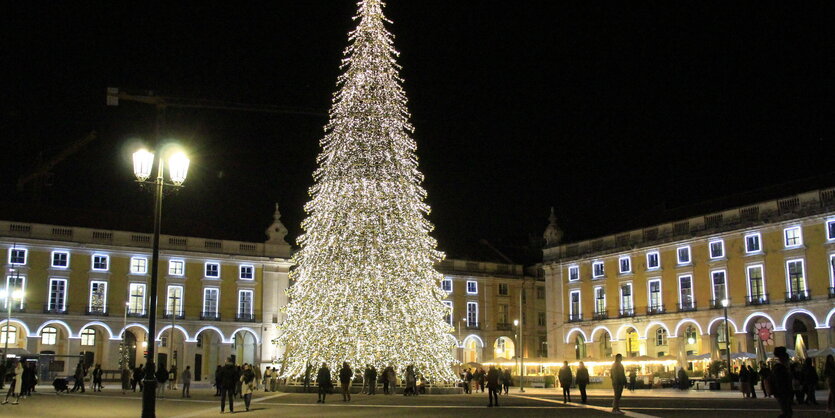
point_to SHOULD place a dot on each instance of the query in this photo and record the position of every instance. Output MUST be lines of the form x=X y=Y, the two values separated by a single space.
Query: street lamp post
x=174 y=300
x=143 y=162
x=460 y=342
x=9 y=298
x=521 y=338
x=725 y=303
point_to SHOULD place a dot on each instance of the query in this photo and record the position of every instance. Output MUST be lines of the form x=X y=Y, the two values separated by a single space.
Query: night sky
x=618 y=114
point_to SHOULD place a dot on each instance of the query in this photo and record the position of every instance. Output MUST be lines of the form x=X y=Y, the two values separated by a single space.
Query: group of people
x=581 y=380
x=23 y=380
x=475 y=380
x=236 y=381
x=388 y=378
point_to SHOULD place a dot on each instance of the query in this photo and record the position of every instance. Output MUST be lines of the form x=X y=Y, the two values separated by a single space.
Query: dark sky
x=609 y=111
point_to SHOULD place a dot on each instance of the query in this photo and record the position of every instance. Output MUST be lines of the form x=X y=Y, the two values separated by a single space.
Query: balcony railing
x=798 y=296
x=96 y=311
x=136 y=313
x=628 y=312
x=575 y=317
x=687 y=307
x=754 y=300
x=598 y=316
x=54 y=310
x=716 y=304
x=245 y=317
x=168 y=315
x=655 y=309
x=504 y=326
x=209 y=316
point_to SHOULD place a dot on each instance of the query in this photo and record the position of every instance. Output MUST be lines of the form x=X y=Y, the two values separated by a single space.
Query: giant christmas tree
x=366 y=290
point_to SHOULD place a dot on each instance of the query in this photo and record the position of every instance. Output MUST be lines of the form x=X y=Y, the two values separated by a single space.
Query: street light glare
x=143 y=161
x=515 y=322
x=178 y=168
x=726 y=303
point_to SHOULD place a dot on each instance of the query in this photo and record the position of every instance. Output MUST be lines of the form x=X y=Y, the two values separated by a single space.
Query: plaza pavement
x=532 y=403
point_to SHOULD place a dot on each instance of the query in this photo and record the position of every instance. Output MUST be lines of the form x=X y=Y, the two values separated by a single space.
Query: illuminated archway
x=504 y=348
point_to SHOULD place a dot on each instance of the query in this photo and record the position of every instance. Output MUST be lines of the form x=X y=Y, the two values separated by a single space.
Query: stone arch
x=572 y=331
x=131 y=325
x=685 y=321
x=245 y=343
x=719 y=319
x=167 y=327
x=472 y=347
x=599 y=328
x=655 y=323
x=753 y=315
x=504 y=347
x=621 y=333
x=63 y=324
x=829 y=317
x=801 y=322
x=208 y=328
x=795 y=311
x=657 y=336
x=99 y=324
x=21 y=329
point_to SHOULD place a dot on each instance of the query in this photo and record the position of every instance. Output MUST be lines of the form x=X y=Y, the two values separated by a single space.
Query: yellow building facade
x=86 y=295
x=659 y=291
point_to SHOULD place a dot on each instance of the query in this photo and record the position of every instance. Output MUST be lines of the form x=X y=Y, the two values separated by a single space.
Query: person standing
x=15 y=385
x=582 y=379
x=618 y=382
x=162 y=377
x=744 y=383
x=781 y=382
x=633 y=379
x=228 y=380
x=307 y=370
x=345 y=375
x=411 y=382
x=810 y=381
x=257 y=372
x=372 y=380
x=829 y=375
x=273 y=380
x=765 y=379
x=507 y=380
x=79 y=378
x=323 y=380
x=28 y=378
x=267 y=374
x=482 y=377
x=2 y=373
x=172 y=377
x=138 y=373
x=218 y=379
x=97 y=375
x=753 y=378
x=493 y=385
x=796 y=371
x=566 y=379
x=186 y=380
x=365 y=373
x=125 y=378
x=468 y=376
x=248 y=385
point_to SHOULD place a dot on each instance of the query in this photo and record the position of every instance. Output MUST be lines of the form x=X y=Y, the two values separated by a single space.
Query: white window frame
x=830 y=232
x=713 y=285
x=131 y=298
x=721 y=243
x=748 y=280
x=448 y=318
x=596 y=288
x=788 y=278
x=831 y=270
x=52 y=259
x=662 y=334
x=575 y=272
x=474 y=290
x=571 y=311
x=506 y=288
x=692 y=292
x=689 y=255
x=12 y=333
x=594 y=265
x=53 y=335
x=657 y=259
x=244 y=267
x=106 y=262
x=63 y=302
x=628 y=260
x=134 y=263
x=631 y=296
x=22 y=289
x=206 y=270
x=206 y=291
x=12 y=252
x=474 y=312
x=660 y=303
x=104 y=295
x=169 y=304
x=241 y=292
x=444 y=282
x=87 y=334
x=798 y=238
x=759 y=243
x=176 y=267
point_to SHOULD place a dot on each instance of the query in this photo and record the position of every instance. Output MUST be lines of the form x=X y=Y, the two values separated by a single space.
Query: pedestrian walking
x=239 y=370
x=781 y=382
x=493 y=385
x=618 y=382
x=185 y=379
x=411 y=382
x=810 y=382
x=482 y=377
x=97 y=375
x=345 y=375
x=228 y=380
x=744 y=383
x=257 y=372
x=468 y=377
x=79 y=378
x=323 y=380
x=15 y=385
x=307 y=370
x=172 y=377
x=138 y=375
x=797 y=382
x=765 y=379
x=267 y=373
x=507 y=380
x=218 y=379
x=633 y=379
x=566 y=378
x=372 y=380
x=391 y=376
x=365 y=379
x=247 y=385
x=125 y=378
x=273 y=380
x=829 y=376
x=582 y=379
x=753 y=379
x=162 y=377
x=28 y=379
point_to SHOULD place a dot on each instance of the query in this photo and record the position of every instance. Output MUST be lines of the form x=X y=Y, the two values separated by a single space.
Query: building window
x=503 y=290
x=49 y=336
x=796 y=281
x=717 y=249
x=832 y=270
x=472 y=314
x=690 y=334
x=660 y=336
x=540 y=319
x=597 y=269
x=60 y=259
x=653 y=260
x=174 y=301
x=446 y=285
x=625 y=264
x=793 y=237
x=101 y=262
x=98 y=297
x=13 y=284
x=138 y=265
x=136 y=304
x=574 y=307
x=599 y=300
x=11 y=332
x=88 y=337
x=448 y=314
x=210 y=301
x=626 y=302
x=685 y=292
x=683 y=254
x=213 y=270
x=656 y=303
x=472 y=287
x=720 y=287
x=247 y=272
x=245 y=308
x=573 y=273
x=540 y=292
x=752 y=243
x=176 y=267
x=17 y=256
x=756 y=283
x=502 y=314
x=830 y=230
x=57 y=295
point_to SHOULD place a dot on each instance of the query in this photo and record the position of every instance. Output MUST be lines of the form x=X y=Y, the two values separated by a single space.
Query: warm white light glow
x=178 y=168
x=16 y=294
x=143 y=161
x=726 y=303
x=515 y=322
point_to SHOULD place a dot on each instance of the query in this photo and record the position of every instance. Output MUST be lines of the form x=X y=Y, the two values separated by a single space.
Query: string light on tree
x=366 y=290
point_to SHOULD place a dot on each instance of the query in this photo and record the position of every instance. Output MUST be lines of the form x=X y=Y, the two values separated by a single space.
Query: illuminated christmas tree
x=366 y=290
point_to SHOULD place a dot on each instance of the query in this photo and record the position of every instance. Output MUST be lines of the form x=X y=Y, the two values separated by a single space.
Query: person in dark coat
x=781 y=382
x=218 y=379
x=307 y=370
x=753 y=378
x=744 y=382
x=796 y=370
x=162 y=377
x=507 y=380
x=79 y=378
x=829 y=376
x=372 y=380
x=138 y=375
x=683 y=380
x=468 y=378
x=323 y=380
x=810 y=381
x=97 y=378
x=493 y=385
x=582 y=379
x=618 y=382
x=229 y=378
x=633 y=379
x=482 y=377
x=765 y=379
x=345 y=375
x=565 y=381
x=28 y=379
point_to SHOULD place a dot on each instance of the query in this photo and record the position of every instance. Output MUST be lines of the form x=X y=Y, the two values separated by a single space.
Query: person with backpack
x=247 y=385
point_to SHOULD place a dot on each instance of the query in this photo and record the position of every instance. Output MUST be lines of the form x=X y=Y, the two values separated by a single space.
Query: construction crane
x=41 y=175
